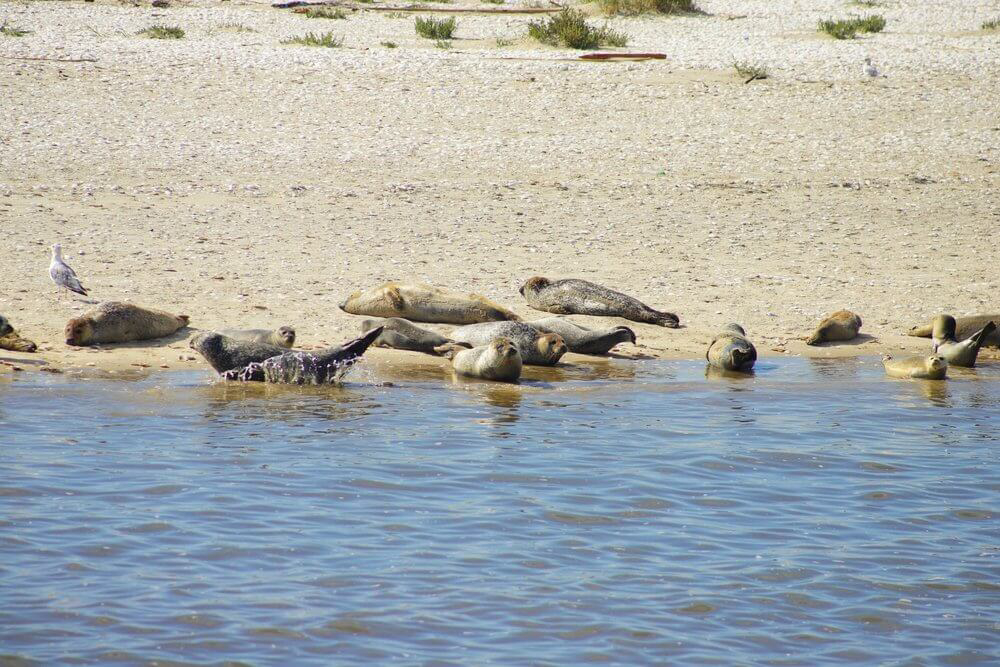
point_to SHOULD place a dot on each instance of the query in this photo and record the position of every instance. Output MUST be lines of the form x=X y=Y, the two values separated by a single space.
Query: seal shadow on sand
x=860 y=339
x=179 y=336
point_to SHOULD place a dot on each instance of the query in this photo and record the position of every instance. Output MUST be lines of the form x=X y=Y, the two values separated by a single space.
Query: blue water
x=618 y=512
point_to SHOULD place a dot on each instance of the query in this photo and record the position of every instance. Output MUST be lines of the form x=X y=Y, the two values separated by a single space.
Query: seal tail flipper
x=184 y=319
x=449 y=350
x=978 y=337
x=352 y=350
x=923 y=331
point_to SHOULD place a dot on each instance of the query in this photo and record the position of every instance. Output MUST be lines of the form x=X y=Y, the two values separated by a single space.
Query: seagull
x=62 y=275
x=870 y=69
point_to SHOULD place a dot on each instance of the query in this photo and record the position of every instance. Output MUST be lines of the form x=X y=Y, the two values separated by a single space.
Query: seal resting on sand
x=958 y=353
x=401 y=334
x=841 y=325
x=423 y=303
x=499 y=360
x=9 y=340
x=934 y=367
x=731 y=350
x=571 y=296
x=536 y=348
x=582 y=340
x=119 y=322
x=224 y=353
x=964 y=328
x=282 y=336
x=296 y=367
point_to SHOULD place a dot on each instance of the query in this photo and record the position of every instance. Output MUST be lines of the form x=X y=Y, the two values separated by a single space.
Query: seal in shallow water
x=964 y=328
x=934 y=367
x=571 y=296
x=499 y=360
x=423 y=303
x=401 y=334
x=298 y=367
x=119 y=322
x=731 y=350
x=536 y=348
x=841 y=325
x=282 y=336
x=582 y=340
x=958 y=353
x=9 y=340
x=224 y=353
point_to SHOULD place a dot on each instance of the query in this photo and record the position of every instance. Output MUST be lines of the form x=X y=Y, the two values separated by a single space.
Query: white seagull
x=62 y=275
x=870 y=69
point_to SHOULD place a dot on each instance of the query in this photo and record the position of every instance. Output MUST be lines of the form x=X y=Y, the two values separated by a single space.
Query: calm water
x=615 y=513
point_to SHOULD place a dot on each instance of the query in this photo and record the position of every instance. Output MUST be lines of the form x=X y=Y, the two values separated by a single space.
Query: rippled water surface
x=615 y=512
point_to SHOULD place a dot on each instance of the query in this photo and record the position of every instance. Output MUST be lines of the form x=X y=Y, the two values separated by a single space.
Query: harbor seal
x=297 y=367
x=964 y=328
x=571 y=296
x=224 y=353
x=499 y=360
x=119 y=322
x=402 y=334
x=282 y=336
x=582 y=340
x=536 y=348
x=423 y=303
x=958 y=353
x=934 y=367
x=731 y=350
x=841 y=325
x=9 y=340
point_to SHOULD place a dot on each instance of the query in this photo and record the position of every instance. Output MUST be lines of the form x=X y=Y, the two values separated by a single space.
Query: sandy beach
x=247 y=183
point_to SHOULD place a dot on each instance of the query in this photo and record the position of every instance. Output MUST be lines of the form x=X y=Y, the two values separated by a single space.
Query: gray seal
x=536 y=348
x=224 y=353
x=958 y=353
x=282 y=336
x=571 y=296
x=731 y=350
x=964 y=328
x=401 y=334
x=583 y=340
x=299 y=367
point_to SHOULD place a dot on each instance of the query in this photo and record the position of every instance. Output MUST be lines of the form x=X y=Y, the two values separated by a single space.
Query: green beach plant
x=637 y=7
x=569 y=28
x=442 y=44
x=389 y=45
x=992 y=24
x=430 y=28
x=325 y=39
x=325 y=13
x=8 y=30
x=162 y=32
x=849 y=28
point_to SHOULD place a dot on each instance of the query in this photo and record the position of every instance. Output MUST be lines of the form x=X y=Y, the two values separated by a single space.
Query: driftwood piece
x=423 y=9
x=623 y=56
x=55 y=60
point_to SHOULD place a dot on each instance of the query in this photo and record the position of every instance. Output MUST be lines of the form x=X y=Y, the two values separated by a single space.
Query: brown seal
x=9 y=340
x=934 y=367
x=964 y=328
x=119 y=322
x=731 y=350
x=841 y=325
x=423 y=303
x=958 y=352
x=499 y=360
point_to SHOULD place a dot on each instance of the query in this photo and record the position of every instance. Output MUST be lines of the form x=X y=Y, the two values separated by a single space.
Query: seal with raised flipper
x=401 y=334
x=282 y=336
x=731 y=350
x=224 y=353
x=958 y=352
x=424 y=303
x=10 y=340
x=841 y=325
x=499 y=360
x=571 y=296
x=120 y=322
x=583 y=340
x=536 y=348
x=299 y=367
x=964 y=328
x=934 y=367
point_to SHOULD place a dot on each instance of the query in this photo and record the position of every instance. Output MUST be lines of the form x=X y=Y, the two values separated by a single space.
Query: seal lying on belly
x=424 y=303
x=731 y=350
x=536 y=348
x=958 y=352
x=582 y=340
x=964 y=328
x=499 y=360
x=933 y=367
x=119 y=322
x=9 y=340
x=581 y=297
x=841 y=325
x=282 y=336
x=402 y=334
x=224 y=353
x=297 y=367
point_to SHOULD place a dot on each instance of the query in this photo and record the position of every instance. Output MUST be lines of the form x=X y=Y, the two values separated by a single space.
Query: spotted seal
x=582 y=340
x=731 y=350
x=934 y=367
x=536 y=348
x=841 y=325
x=120 y=322
x=499 y=360
x=424 y=303
x=958 y=353
x=571 y=296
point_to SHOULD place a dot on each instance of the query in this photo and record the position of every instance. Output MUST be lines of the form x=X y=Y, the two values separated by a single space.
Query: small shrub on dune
x=325 y=13
x=992 y=24
x=326 y=40
x=637 y=7
x=849 y=28
x=13 y=31
x=435 y=28
x=569 y=28
x=162 y=32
